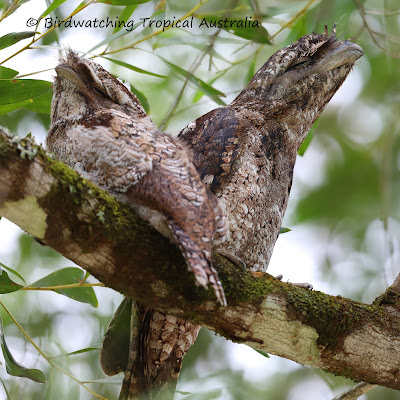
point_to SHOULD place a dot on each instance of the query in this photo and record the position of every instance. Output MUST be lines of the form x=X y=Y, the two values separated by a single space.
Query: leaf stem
x=46 y=357
x=155 y=33
x=48 y=31
x=60 y=287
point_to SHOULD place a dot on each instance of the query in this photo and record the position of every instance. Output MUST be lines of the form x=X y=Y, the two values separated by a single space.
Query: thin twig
x=60 y=287
x=161 y=30
x=290 y=22
x=34 y=40
x=46 y=357
x=355 y=392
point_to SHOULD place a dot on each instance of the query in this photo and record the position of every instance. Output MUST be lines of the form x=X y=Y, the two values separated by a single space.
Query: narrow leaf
x=13 y=367
x=171 y=38
x=199 y=93
x=284 y=230
x=5 y=389
x=115 y=36
x=115 y=380
x=86 y=350
x=55 y=4
x=7 y=73
x=123 y=2
x=49 y=389
x=124 y=16
x=250 y=71
x=263 y=353
x=206 y=89
x=133 y=68
x=142 y=98
x=307 y=140
x=67 y=276
x=13 y=272
x=7 y=285
x=14 y=37
x=247 y=28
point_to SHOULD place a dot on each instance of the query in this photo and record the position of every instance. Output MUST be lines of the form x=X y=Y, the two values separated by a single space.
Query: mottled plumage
x=100 y=129
x=246 y=151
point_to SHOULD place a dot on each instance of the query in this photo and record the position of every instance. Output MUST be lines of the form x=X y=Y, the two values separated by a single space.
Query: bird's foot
x=232 y=258
x=304 y=285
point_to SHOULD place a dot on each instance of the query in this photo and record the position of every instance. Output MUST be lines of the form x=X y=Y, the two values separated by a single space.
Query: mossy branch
x=53 y=203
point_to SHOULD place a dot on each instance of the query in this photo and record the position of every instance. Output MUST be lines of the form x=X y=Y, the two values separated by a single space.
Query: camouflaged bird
x=245 y=152
x=100 y=129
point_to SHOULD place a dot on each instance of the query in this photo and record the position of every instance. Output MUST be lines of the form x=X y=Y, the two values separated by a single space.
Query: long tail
x=153 y=355
x=198 y=259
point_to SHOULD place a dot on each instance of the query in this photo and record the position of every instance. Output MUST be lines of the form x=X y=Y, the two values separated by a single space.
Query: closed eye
x=300 y=61
x=99 y=91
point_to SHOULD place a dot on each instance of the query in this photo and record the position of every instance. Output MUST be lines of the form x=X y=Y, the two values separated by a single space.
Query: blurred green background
x=343 y=212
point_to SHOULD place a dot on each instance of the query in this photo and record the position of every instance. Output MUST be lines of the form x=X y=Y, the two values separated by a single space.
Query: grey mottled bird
x=99 y=128
x=245 y=152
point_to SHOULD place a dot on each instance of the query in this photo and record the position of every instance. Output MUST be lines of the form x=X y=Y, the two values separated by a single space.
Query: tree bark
x=62 y=210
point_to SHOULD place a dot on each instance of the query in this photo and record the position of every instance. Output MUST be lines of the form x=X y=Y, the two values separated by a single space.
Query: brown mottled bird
x=100 y=129
x=245 y=152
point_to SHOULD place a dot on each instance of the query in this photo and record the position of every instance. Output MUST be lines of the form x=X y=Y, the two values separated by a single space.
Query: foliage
x=346 y=202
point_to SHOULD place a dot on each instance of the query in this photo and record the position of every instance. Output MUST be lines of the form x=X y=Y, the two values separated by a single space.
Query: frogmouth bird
x=245 y=152
x=99 y=128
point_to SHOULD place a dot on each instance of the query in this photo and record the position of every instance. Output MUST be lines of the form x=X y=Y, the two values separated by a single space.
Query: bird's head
x=300 y=79
x=82 y=86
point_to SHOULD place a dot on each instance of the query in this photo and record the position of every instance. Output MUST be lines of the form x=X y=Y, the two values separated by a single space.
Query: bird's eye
x=300 y=61
x=99 y=91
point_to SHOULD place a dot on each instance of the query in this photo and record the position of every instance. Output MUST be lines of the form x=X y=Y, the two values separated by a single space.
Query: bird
x=100 y=129
x=245 y=152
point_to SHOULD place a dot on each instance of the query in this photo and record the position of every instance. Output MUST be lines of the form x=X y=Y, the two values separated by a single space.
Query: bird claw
x=232 y=258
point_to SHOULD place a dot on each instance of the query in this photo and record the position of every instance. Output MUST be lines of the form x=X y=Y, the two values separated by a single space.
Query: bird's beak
x=65 y=71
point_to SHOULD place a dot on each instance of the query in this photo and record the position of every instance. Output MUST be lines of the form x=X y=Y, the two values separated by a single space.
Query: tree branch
x=53 y=203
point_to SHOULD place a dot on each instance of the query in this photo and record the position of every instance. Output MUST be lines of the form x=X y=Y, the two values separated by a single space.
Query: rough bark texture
x=54 y=204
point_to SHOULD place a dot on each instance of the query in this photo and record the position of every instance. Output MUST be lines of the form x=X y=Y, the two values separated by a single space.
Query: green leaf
x=284 y=230
x=183 y=393
x=142 y=98
x=14 y=37
x=55 y=4
x=7 y=73
x=13 y=367
x=171 y=38
x=238 y=27
x=210 y=395
x=5 y=389
x=17 y=93
x=133 y=68
x=86 y=350
x=123 y=2
x=307 y=140
x=115 y=380
x=67 y=276
x=49 y=389
x=263 y=353
x=250 y=71
x=11 y=107
x=115 y=36
x=13 y=272
x=124 y=16
x=204 y=87
x=41 y=104
x=7 y=285
x=199 y=93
